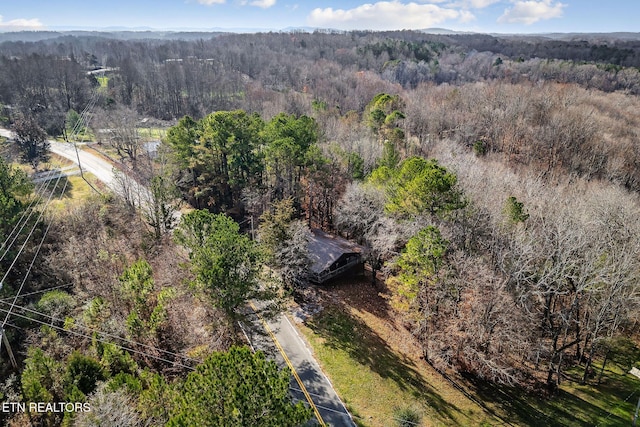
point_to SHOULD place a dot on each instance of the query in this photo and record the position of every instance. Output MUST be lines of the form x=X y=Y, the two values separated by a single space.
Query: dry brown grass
x=375 y=364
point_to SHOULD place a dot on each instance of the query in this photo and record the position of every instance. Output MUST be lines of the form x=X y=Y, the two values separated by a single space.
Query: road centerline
x=289 y=364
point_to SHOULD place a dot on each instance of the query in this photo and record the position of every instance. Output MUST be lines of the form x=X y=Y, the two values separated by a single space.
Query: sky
x=486 y=16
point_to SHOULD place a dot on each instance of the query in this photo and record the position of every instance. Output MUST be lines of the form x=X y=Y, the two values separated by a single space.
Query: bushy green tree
x=43 y=380
x=14 y=185
x=42 y=377
x=418 y=186
x=515 y=211
x=287 y=151
x=417 y=265
x=226 y=263
x=56 y=303
x=285 y=241
x=183 y=139
x=236 y=388
x=114 y=360
x=384 y=116
x=73 y=122
x=147 y=306
x=82 y=374
x=229 y=155
x=274 y=226
x=220 y=155
x=157 y=399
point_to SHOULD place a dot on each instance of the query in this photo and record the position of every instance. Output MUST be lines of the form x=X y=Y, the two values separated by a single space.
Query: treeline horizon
x=285 y=61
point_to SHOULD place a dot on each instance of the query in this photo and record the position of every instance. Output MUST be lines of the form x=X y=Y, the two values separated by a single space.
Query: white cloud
x=529 y=12
x=481 y=4
x=265 y=4
x=20 y=24
x=472 y=4
x=466 y=16
x=385 y=15
x=210 y=2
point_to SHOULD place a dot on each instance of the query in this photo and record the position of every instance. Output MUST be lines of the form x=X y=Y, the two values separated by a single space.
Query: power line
x=99 y=339
x=24 y=213
x=610 y=413
x=84 y=115
x=8 y=248
x=26 y=275
x=39 y=292
x=191 y=368
x=20 y=222
x=26 y=221
x=13 y=303
x=84 y=118
x=106 y=334
x=2 y=334
x=28 y=236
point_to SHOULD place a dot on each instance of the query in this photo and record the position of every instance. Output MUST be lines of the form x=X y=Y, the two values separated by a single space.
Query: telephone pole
x=10 y=352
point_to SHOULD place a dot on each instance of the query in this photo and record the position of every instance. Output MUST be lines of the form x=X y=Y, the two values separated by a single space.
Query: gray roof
x=325 y=249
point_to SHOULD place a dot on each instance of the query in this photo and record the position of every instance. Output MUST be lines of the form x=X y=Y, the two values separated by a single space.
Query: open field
x=76 y=191
x=147 y=134
x=103 y=81
x=374 y=365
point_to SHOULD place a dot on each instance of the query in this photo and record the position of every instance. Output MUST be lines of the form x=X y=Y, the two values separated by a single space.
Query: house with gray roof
x=332 y=257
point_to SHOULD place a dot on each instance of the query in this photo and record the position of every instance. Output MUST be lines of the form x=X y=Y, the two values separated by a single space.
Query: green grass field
x=375 y=379
x=103 y=81
x=371 y=370
x=152 y=133
x=76 y=191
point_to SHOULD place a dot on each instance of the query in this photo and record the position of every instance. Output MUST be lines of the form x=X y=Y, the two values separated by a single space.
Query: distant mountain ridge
x=617 y=49
x=132 y=33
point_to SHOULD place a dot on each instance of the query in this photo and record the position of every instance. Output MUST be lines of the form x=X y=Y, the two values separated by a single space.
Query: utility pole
x=84 y=119
x=75 y=146
x=253 y=237
x=10 y=352
x=78 y=157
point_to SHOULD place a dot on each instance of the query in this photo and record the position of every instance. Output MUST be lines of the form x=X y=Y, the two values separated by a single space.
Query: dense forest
x=493 y=182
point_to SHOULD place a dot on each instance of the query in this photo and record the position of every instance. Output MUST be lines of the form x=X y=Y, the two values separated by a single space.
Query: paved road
x=101 y=168
x=272 y=335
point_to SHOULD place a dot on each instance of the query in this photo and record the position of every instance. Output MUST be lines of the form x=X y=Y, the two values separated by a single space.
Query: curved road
x=102 y=169
x=277 y=337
